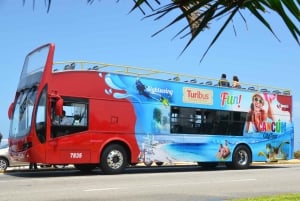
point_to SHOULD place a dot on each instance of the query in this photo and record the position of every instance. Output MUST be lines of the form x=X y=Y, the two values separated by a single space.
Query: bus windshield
x=32 y=72
x=22 y=115
x=33 y=67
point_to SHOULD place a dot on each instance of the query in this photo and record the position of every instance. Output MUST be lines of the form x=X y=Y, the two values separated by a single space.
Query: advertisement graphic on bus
x=267 y=125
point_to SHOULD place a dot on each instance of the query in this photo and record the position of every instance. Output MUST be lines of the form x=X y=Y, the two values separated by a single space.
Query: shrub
x=297 y=154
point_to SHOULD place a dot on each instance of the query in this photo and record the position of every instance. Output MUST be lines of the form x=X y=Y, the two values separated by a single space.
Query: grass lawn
x=282 y=197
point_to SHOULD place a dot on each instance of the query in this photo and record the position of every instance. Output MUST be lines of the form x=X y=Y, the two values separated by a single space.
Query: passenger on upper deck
x=236 y=82
x=223 y=81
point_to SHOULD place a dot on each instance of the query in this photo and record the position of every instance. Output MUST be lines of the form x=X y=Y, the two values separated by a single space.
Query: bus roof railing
x=164 y=75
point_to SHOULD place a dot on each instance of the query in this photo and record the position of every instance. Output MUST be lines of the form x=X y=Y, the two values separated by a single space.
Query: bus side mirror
x=59 y=107
x=10 y=111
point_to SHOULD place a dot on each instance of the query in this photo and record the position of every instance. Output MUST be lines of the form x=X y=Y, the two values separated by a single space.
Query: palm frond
x=277 y=7
x=219 y=32
x=201 y=13
x=254 y=11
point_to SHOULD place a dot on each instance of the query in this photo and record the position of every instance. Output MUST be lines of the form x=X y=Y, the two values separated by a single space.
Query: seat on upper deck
x=70 y=66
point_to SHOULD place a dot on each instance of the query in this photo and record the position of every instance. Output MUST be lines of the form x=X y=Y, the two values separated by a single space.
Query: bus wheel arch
x=241 y=157
x=114 y=158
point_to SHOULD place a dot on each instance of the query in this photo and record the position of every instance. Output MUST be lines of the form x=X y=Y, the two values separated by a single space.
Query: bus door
x=69 y=139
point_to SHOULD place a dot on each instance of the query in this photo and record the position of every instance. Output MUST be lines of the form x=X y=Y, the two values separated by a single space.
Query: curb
x=292 y=161
x=26 y=169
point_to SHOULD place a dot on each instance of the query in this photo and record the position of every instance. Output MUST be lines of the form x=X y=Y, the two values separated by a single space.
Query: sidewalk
x=295 y=161
x=292 y=161
x=26 y=169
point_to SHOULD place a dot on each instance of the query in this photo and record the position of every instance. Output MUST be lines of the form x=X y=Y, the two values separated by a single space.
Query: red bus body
x=86 y=146
x=111 y=131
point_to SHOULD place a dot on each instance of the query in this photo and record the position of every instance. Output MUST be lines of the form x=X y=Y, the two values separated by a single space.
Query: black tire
x=158 y=163
x=4 y=164
x=241 y=158
x=114 y=159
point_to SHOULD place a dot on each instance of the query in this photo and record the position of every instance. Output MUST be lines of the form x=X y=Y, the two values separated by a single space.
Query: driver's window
x=73 y=119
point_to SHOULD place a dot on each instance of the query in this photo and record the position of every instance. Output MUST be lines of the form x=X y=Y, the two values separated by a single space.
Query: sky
x=107 y=32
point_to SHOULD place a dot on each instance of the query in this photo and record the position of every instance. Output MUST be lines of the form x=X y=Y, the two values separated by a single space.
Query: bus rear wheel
x=114 y=159
x=241 y=158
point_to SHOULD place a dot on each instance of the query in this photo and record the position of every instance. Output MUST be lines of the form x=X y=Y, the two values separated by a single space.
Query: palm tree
x=200 y=14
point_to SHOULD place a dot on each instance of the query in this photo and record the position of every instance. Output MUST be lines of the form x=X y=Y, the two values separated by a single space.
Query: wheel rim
x=242 y=158
x=148 y=163
x=3 y=165
x=115 y=159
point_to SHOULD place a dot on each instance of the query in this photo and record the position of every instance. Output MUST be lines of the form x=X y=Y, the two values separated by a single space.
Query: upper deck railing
x=156 y=74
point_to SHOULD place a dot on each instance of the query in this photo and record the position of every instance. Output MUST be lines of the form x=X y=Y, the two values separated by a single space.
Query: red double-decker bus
x=92 y=115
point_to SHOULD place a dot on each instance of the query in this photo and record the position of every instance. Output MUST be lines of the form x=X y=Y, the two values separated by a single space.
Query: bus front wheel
x=114 y=159
x=241 y=158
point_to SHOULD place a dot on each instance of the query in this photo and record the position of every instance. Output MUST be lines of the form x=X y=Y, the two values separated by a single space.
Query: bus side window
x=176 y=129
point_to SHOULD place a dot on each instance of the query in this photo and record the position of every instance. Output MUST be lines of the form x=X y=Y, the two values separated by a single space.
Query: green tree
x=201 y=14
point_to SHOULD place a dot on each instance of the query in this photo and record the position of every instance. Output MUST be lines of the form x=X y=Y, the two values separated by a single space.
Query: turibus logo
x=199 y=96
